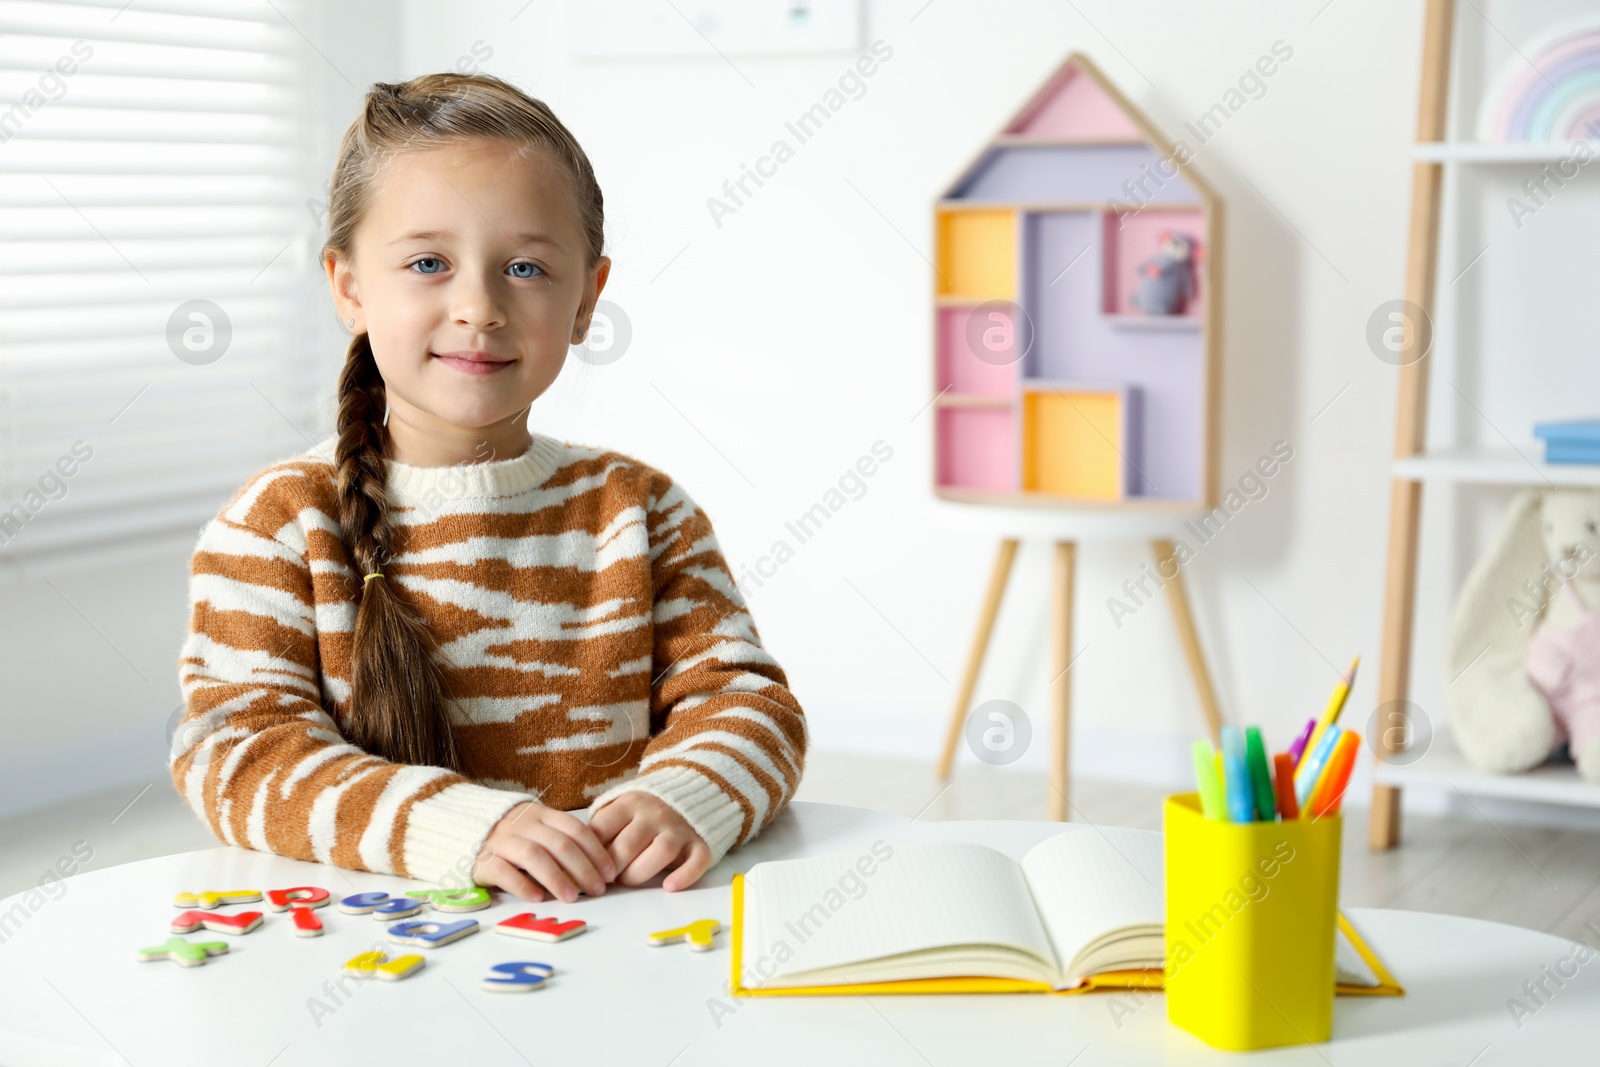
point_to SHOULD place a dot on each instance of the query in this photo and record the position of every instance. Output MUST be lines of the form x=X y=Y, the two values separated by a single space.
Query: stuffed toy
x=1166 y=283
x=1522 y=656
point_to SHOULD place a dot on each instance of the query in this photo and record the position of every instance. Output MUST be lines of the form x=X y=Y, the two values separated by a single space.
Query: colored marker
x=1342 y=787
x=1283 y=764
x=1298 y=749
x=1310 y=769
x=1207 y=782
x=1342 y=783
x=1330 y=787
x=1236 y=776
x=1255 y=752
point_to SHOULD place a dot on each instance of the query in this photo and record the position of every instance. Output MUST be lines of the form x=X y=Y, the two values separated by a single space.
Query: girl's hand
x=645 y=836
x=534 y=849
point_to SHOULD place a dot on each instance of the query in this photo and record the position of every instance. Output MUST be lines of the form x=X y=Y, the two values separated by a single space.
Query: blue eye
x=428 y=259
x=531 y=266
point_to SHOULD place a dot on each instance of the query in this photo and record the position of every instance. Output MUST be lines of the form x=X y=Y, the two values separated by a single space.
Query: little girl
x=417 y=646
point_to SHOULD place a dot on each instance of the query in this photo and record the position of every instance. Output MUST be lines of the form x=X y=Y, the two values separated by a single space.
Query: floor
x=1547 y=879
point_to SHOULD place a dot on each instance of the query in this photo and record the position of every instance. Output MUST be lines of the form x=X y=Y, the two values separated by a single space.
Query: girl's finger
x=626 y=846
x=498 y=871
x=690 y=870
x=519 y=816
x=586 y=840
x=662 y=851
x=572 y=859
x=606 y=822
x=542 y=867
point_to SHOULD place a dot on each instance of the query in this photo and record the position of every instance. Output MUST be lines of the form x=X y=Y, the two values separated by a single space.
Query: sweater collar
x=501 y=477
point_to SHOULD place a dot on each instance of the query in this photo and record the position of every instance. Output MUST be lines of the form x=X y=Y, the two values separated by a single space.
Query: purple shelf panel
x=1074 y=341
x=1075 y=173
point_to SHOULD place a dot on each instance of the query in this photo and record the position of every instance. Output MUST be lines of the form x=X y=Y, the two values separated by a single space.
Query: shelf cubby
x=961 y=369
x=977 y=254
x=977 y=447
x=1127 y=243
x=1079 y=441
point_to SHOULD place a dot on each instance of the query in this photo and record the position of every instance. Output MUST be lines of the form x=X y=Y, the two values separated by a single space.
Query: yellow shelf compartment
x=1080 y=441
x=976 y=253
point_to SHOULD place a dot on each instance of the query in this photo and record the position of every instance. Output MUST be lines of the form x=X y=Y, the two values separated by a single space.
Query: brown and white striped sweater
x=590 y=632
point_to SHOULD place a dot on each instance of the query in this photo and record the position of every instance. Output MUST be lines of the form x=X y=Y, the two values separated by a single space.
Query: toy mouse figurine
x=1167 y=282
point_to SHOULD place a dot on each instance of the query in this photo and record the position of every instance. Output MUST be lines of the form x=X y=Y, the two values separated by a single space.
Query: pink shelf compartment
x=1135 y=240
x=977 y=449
x=960 y=370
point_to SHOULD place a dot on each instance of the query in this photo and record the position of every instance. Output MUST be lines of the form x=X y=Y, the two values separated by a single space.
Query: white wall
x=772 y=351
x=797 y=333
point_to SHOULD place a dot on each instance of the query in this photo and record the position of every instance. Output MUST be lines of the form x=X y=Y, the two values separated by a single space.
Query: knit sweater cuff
x=445 y=832
x=712 y=813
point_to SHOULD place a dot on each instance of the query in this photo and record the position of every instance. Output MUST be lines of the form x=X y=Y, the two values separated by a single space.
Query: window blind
x=156 y=254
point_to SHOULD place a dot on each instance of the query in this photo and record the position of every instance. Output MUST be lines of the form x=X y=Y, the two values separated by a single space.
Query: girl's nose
x=475 y=306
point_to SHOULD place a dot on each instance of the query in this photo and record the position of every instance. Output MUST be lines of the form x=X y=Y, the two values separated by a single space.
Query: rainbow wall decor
x=1555 y=97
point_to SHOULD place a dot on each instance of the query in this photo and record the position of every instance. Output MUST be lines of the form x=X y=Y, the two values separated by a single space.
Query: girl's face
x=468 y=275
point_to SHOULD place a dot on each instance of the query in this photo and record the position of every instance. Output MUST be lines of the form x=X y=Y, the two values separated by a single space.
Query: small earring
x=350 y=323
x=582 y=334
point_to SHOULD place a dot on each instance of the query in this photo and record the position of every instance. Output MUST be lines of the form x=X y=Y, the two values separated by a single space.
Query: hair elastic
x=368 y=578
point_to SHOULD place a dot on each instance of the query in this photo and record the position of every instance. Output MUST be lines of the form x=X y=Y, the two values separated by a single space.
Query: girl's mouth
x=473 y=362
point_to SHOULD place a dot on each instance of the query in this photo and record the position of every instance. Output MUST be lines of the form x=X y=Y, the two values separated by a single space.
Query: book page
x=1091 y=883
x=1348 y=966
x=829 y=911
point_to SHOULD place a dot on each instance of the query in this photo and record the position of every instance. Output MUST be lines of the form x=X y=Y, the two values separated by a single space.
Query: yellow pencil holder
x=1252 y=910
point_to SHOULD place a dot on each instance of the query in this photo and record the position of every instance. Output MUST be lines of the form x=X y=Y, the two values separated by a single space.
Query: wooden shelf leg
x=980 y=647
x=1383 y=829
x=1178 y=597
x=1061 y=685
x=1411 y=406
x=1394 y=668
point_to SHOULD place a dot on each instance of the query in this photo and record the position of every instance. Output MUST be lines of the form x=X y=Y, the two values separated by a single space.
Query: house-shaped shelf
x=1076 y=342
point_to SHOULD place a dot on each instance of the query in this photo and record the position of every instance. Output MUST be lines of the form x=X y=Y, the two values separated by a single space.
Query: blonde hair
x=398 y=692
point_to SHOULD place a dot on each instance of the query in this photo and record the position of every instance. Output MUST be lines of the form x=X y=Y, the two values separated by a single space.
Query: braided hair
x=398 y=692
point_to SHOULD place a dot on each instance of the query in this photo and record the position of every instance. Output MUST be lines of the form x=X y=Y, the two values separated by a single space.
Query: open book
x=1082 y=909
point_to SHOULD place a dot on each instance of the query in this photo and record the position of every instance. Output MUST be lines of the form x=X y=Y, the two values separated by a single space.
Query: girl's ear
x=346 y=296
x=583 y=320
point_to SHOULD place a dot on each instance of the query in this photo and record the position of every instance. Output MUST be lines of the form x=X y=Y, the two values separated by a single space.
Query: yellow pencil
x=1330 y=714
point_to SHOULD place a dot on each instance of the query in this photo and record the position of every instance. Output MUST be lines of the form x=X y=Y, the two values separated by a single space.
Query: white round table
x=72 y=992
